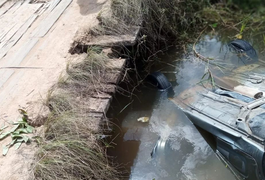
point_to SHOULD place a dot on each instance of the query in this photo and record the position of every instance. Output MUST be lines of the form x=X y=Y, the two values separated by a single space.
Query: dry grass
x=120 y=17
x=161 y=21
x=87 y=78
x=173 y=22
x=72 y=148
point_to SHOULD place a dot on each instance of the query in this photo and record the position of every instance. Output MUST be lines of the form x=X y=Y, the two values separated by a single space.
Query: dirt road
x=35 y=38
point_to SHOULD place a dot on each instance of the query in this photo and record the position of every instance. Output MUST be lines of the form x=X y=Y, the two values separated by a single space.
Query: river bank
x=91 y=39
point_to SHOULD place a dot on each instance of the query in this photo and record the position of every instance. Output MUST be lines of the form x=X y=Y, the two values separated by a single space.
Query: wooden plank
x=96 y=115
x=6 y=7
x=15 y=7
x=23 y=52
x=11 y=87
x=106 y=88
x=101 y=95
x=5 y=75
x=54 y=3
x=42 y=30
x=96 y=105
x=109 y=40
x=53 y=17
x=38 y=33
x=110 y=77
x=23 y=3
x=43 y=9
x=2 y=2
x=12 y=23
x=4 y=34
x=25 y=11
x=47 y=23
x=116 y=64
x=17 y=36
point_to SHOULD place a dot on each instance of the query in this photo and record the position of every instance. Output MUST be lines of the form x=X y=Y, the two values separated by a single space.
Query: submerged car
x=237 y=122
x=233 y=111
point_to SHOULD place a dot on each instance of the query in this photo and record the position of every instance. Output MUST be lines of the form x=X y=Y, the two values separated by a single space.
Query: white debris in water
x=143 y=119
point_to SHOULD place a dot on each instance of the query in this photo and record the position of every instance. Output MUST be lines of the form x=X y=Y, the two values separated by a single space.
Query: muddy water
x=181 y=151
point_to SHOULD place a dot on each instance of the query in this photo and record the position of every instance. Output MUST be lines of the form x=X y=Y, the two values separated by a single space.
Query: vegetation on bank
x=167 y=23
x=72 y=148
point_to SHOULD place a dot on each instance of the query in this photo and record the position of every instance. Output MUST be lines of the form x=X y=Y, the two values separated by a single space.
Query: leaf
x=16 y=136
x=212 y=80
x=2 y=128
x=242 y=27
x=214 y=25
x=37 y=139
x=204 y=75
x=29 y=128
x=20 y=140
x=25 y=118
x=14 y=128
x=21 y=130
x=12 y=143
x=17 y=145
x=20 y=122
x=26 y=139
x=4 y=135
x=5 y=150
x=22 y=111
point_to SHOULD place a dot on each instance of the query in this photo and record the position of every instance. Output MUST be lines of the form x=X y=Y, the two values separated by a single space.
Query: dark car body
x=236 y=121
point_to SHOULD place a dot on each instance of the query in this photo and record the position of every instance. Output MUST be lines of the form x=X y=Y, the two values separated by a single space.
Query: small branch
x=194 y=48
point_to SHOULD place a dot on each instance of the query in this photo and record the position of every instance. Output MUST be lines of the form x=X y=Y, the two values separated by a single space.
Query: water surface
x=182 y=152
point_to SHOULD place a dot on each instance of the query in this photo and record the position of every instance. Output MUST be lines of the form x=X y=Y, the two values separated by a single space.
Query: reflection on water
x=181 y=152
x=169 y=146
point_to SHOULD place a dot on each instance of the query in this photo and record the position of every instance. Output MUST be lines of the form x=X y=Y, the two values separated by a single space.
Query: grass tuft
x=71 y=147
x=71 y=151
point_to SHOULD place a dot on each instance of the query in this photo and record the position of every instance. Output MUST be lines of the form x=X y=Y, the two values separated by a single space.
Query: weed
x=17 y=133
x=207 y=78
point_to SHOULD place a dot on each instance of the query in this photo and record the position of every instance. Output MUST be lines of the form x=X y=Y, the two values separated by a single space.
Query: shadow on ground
x=90 y=6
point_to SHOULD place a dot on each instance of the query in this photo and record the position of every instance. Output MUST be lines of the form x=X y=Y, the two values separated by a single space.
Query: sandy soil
x=47 y=52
